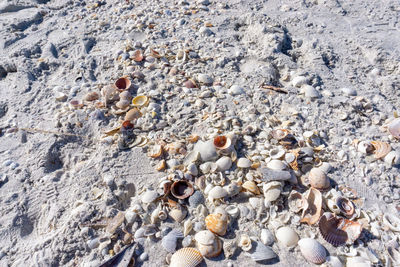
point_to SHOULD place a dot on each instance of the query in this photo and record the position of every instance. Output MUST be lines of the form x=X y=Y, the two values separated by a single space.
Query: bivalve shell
x=149 y=196
x=123 y=83
x=266 y=237
x=182 y=189
x=279 y=134
x=224 y=163
x=186 y=257
x=217 y=223
x=272 y=190
x=338 y=231
x=261 y=252
x=243 y=163
x=178 y=214
x=313 y=212
x=133 y=114
x=381 y=149
x=312 y=250
x=251 y=187
x=287 y=236
x=169 y=241
x=318 y=179
x=394 y=128
x=277 y=165
x=393 y=157
x=217 y=192
x=205 y=237
x=140 y=100
x=245 y=242
x=196 y=199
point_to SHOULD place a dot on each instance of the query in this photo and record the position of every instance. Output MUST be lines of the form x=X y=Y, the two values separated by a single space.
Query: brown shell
x=123 y=83
x=222 y=142
x=190 y=84
x=217 y=224
x=251 y=187
x=182 y=189
x=346 y=206
x=338 y=231
x=138 y=55
x=313 y=211
x=381 y=149
x=279 y=134
x=127 y=125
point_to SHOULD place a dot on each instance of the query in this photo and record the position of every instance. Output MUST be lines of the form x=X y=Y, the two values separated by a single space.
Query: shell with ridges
x=381 y=149
x=312 y=250
x=196 y=199
x=262 y=252
x=287 y=236
x=169 y=241
x=251 y=187
x=178 y=214
x=216 y=223
x=186 y=257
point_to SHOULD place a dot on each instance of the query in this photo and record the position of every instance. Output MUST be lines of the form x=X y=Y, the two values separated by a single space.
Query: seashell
x=216 y=223
x=196 y=199
x=186 y=257
x=169 y=241
x=233 y=189
x=211 y=251
x=274 y=175
x=138 y=55
x=290 y=157
x=277 y=165
x=318 y=179
x=381 y=149
x=178 y=214
x=149 y=196
x=123 y=83
x=233 y=211
x=133 y=114
x=158 y=214
x=312 y=250
x=393 y=157
x=122 y=104
x=255 y=202
x=92 y=96
x=222 y=142
x=182 y=189
x=125 y=95
x=287 y=236
x=297 y=202
x=243 y=163
x=156 y=151
x=365 y=147
x=279 y=134
x=392 y=222
x=277 y=153
x=205 y=237
x=261 y=252
x=140 y=101
x=245 y=242
x=345 y=206
x=190 y=84
x=224 y=163
x=394 y=128
x=333 y=206
x=187 y=241
x=251 y=187
x=266 y=237
x=206 y=149
x=187 y=227
x=338 y=231
x=191 y=157
x=313 y=212
x=272 y=190
x=192 y=169
x=217 y=192
x=229 y=248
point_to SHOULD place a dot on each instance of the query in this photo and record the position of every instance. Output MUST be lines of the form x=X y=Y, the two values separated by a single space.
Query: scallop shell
x=196 y=199
x=338 y=231
x=178 y=214
x=133 y=114
x=279 y=134
x=245 y=242
x=217 y=192
x=313 y=212
x=182 y=189
x=287 y=236
x=224 y=163
x=261 y=252
x=381 y=149
x=169 y=241
x=123 y=83
x=318 y=179
x=140 y=101
x=297 y=202
x=222 y=142
x=394 y=128
x=251 y=187
x=149 y=196
x=277 y=165
x=345 y=206
x=216 y=223
x=243 y=163
x=272 y=190
x=312 y=250
x=186 y=257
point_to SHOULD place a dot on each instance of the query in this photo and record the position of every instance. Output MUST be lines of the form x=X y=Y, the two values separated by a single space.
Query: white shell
x=262 y=252
x=256 y=202
x=245 y=242
x=364 y=147
x=186 y=257
x=233 y=189
x=224 y=163
x=312 y=250
x=187 y=227
x=277 y=153
x=192 y=169
x=206 y=149
x=149 y=196
x=290 y=157
x=287 y=236
x=272 y=190
x=169 y=241
x=233 y=211
x=310 y=92
x=178 y=214
x=276 y=165
x=217 y=192
x=243 y=163
x=191 y=157
x=393 y=157
x=205 y=238
x=266 y=237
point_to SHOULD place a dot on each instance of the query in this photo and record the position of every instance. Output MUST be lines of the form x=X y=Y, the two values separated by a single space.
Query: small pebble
x=236 y=90
x=143 y=257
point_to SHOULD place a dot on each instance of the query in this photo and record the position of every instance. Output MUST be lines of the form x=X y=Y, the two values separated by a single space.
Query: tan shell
x=140 y=100
x=312 y=250
x=133 y=114
x=211 y=251
x=178 y=214
x=122 y=104
x=186 y=257
x=156 y=151
x=92 y=96
x=217 y=223
x=297 y=202
x=287 y=236
x=318 y=179
x=138 y=55
x=251 y=187
x=381 y=149
x=394 y=128
x=313 y=212
x=126 y=95
x=245 y=242
x=279 y=134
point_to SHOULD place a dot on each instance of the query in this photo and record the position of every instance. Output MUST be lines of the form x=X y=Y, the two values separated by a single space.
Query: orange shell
x=216 y=224
x=222 y=142
x=138 y=55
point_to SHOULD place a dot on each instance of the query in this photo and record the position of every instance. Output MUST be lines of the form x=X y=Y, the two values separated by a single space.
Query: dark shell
x=127 y=125
x=123 y=83
x=196 y=199
x=346 y=206
x=220 y=141
x=182 y=189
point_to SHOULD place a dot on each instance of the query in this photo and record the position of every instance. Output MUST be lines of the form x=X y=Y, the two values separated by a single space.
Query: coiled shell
x=287 y=236
x=229 y=248
x=318 y=179
x=245 y=242
x=216 y=223
x=312 y=250
x=338 y=231
x=169 y=241
x=381 y=149
x=182 y=189
x=186 y=257
x=251 y=187
x=394 y=128
x=261 y=252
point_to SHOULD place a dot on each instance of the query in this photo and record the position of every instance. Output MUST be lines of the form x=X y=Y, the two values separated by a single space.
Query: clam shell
x=279 y=134
x=217 y=192
x=149 y=196
x=206 y=149
x=266 y=237
x=205 y=238
x=272 y=190
x=394 y=128
x=140 y=100
x=318 y=179
x=126 y=95
x=133 y=114
x=178 y=214
x=224 y=163
x=245 y=242
x=277 y=153
x=196 y=199
x=381 y=149
x=345 y=206
x=92 y=96
x=138 y=55
x=123 y=83
x=287 y=236
x=251 y=187
x=216 y=223
x=313 y=212
x=192 y=169
x=243 y=163
x=169 y=241
x=122 y=104
x=261 y=252
x=186 y=257
x=338 y=231
x=222 y=142
x=393 y=157
x=182 y=189
x=312 y=250
x=297 y=202
x=277 y=165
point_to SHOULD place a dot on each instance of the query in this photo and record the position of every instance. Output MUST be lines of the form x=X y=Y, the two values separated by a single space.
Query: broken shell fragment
x=186 y=257
x=156 y=151
x=262 y=252
x=318 y=179
x=272 y=190
x=312 y=250
x=394 y=128
x=206 y=149
x=313 y=212
x=122 y=104
x=92 y=96
x=217 y=223
x=182 y=189
x=381 y=149
x=149 y=196
x=229 y=248
x=140 y=101
x=245 y=242
x=222 y=142
x=365 y=147
x=251 y=187
x=393 y=157
x=297 y=202
x=345 y=206
x=123 y=83
x=287 y=236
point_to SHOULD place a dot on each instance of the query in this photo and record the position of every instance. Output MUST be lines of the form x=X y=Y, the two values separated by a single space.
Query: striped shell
x=169 y=241
x=262 y=252
x=313 y=211
x=186 y=257
x=394 y=128
x=381 y=149
x=338 y=231
x=312 y=250
x=251 y=187
x=217 y=224
x=178 y=214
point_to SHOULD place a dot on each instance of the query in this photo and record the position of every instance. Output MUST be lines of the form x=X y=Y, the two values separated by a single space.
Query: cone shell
x=381 y=149
x=186 y=257
x=123 y=83
x=318 y=179
x=346 y=206
x=313 y=212
x=338 y=231
x=140 y=101
x=182 y=189
x=312 y=250
x=251 y=187
x=217 y=223
x=394 y=128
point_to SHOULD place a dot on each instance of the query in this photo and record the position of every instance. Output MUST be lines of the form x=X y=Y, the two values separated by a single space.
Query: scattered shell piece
x=261 y=252
x=297 y=202
x=251 y=187
x=287 y=236
x=186 y=257
x=224 y=163
x=279 y=134
x=266 y=237
x=313 y=212
x=133 y=114
x=222 y=142
x=274 y=175
x=115 y=222
x=392 y=222
x=277 y=165
x=187 y=227
x=156 y=151
x=206 y=149
x=345 y=206
x=312 y=250
x=217 y=223
x=381 y=149
x=272 y=190
x=365 y=147
x=393 y=157
x=217 y=192
x=196 y=199
x=394 y=128
x=229 y=248
x=245 y=242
